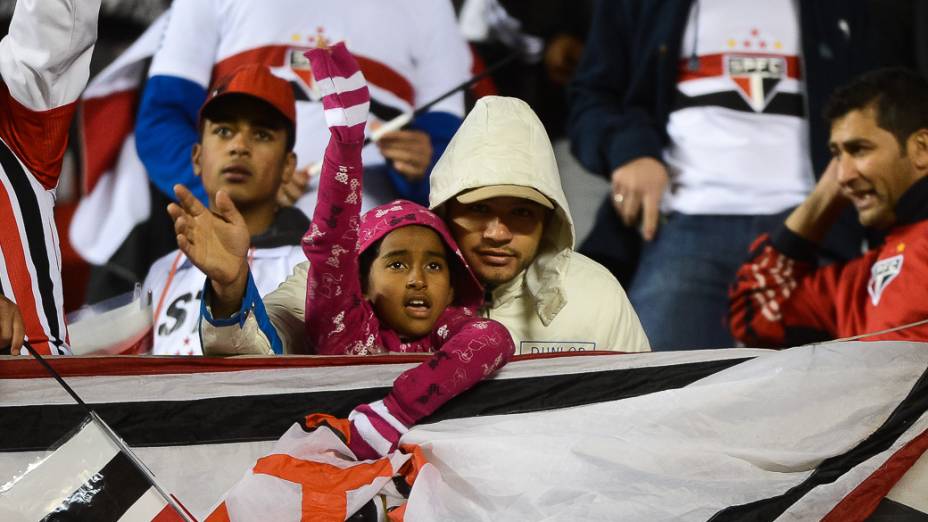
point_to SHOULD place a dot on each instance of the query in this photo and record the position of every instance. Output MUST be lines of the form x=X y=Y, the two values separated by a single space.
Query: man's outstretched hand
x=12 y=331
x=217 y=243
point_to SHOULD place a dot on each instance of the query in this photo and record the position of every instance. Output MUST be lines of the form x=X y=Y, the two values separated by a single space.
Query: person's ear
x=289 y=167
x=917 y=147
x=195 y=155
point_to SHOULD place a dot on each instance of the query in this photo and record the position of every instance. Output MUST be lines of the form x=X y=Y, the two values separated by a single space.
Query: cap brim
x=502 y=191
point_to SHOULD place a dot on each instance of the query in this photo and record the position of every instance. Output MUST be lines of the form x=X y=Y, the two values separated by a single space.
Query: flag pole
x=403 y=119
x=108 y=431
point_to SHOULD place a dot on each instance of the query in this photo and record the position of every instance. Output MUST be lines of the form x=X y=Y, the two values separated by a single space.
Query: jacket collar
x=913 y=204
x=506 y=292
x=288 y=227
x=543 y=282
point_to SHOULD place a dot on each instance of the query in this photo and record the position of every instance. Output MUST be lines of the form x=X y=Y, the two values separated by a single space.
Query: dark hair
x=365 y=260
x=231 y=106
x=899 y=96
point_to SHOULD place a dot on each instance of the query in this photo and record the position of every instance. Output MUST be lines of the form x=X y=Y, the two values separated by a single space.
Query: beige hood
x=502 y=142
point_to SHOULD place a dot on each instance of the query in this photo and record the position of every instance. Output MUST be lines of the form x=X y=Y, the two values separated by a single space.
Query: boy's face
x=409 y=283
x=243 y=150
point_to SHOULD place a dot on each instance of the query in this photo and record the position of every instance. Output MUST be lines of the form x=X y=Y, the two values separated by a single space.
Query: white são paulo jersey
x=177 y=288
x=176 y=285
x=738 y=131
x=409 y=50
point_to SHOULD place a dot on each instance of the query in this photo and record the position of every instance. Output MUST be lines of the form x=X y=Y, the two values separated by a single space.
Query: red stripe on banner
x=220 y=514
x=105 y=122
x=863 y=501
x=168 y=514
x=11 y=244
x=713 y=65
x=375 y=72
x=486 y=86
x=398 y=514
x=98 y=366
x=325 y=487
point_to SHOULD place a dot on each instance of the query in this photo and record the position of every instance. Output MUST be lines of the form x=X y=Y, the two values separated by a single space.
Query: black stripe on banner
x=889 y=511
x=784 y=103
x=106 y=496
x=266 y=417
x=906 y=413
x=35 y=235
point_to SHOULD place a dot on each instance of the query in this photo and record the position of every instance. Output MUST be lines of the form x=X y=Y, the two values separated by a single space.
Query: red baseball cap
x=257 y=81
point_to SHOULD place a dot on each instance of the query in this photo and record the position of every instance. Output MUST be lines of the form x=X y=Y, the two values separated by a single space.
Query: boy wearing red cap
x=245 y=152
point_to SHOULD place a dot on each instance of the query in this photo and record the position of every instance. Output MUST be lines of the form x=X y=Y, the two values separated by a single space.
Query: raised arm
x=333 y=291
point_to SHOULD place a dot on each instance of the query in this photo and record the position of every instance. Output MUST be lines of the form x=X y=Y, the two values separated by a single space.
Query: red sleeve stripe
x=38 y=138
x=30 y=250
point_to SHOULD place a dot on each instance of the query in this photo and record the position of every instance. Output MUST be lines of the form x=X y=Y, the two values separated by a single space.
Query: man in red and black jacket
x=879 y=146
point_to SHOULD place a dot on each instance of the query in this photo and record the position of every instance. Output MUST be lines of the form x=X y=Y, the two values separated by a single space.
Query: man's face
x=873 y=170
x=409 y=283
x=243 y=150
x=499 y=236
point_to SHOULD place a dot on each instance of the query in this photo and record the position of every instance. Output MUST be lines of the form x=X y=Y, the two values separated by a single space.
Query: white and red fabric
x=114 y=189
x=44 y=65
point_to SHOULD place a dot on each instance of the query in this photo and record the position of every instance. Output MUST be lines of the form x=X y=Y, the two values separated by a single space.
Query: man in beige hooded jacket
x=498 y=167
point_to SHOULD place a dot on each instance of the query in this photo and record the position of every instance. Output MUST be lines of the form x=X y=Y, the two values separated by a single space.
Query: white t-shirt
x=739 y=134
x=177 y=320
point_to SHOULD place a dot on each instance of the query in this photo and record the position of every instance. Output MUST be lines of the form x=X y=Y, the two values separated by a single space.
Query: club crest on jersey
x=756 y=77
x=881 y=274
x=299 y=65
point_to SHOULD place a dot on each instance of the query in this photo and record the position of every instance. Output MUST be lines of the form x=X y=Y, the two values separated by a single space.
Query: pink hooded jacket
x=339 y=320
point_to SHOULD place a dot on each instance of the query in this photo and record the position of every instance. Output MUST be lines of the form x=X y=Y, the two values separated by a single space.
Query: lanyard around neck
x=173 y=272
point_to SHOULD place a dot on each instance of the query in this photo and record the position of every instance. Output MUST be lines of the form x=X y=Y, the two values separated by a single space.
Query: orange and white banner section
x=314 y=476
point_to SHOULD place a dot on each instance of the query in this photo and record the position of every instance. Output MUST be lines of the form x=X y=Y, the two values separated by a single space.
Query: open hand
x=294 y=187
x=410 y=151
x=637 y=189
x=217 y=241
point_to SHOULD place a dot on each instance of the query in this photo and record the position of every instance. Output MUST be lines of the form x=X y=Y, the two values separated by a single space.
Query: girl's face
x=409 y=282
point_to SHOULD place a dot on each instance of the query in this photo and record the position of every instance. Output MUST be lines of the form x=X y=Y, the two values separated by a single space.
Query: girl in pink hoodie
x=392 y=280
